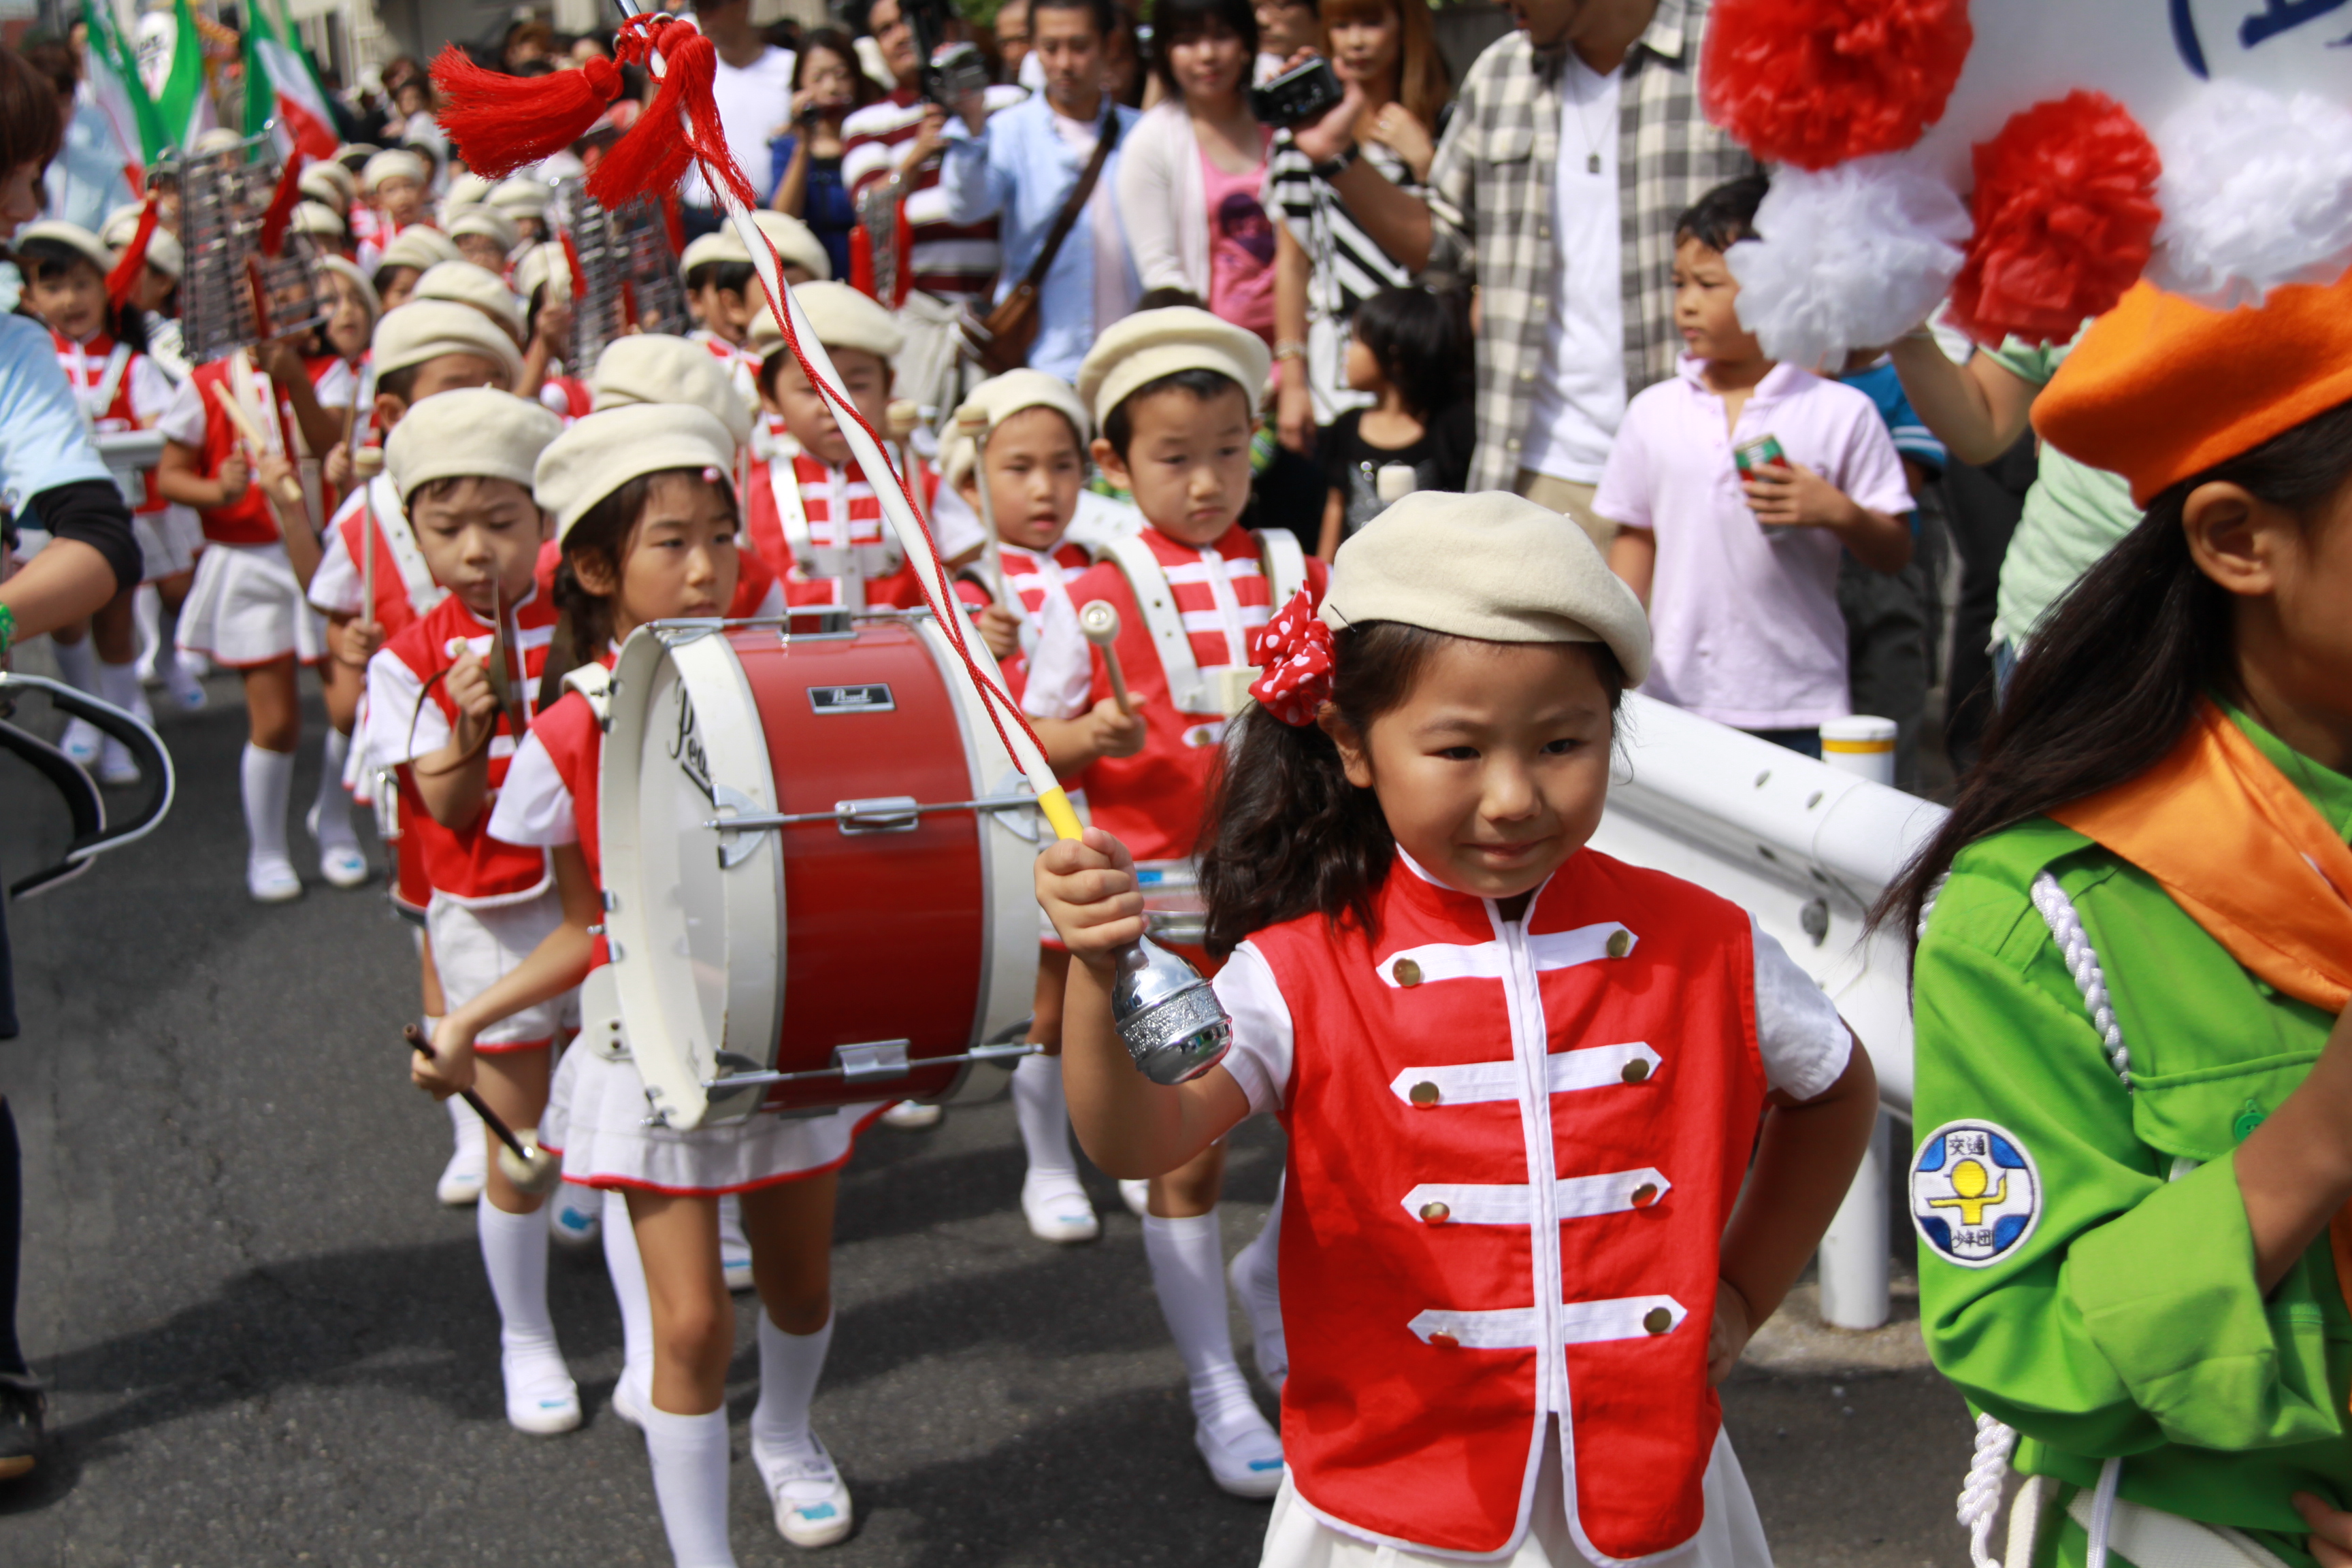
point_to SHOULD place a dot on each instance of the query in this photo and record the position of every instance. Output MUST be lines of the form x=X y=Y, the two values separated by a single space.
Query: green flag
x=112 y=70
x=187 y=108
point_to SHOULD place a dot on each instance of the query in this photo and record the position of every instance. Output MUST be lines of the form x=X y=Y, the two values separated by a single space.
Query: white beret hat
x=424 y=329
x=655 y=367
x=58 y=231
x=525 y=197
x=464 y=191
x=490 y=222
x=419 y=246
x=350 y=269
x=603 y=452
x=796 y=244
x=1493 y=566
x=219 y=139
x=463 y=283
x=706 y=248
x=329 y=183
x=392 y=163
x=474 y=433
x=542 y=264
x=163 y=252
x=1002 y=396
x=355 y=151
x=1152 y=343
x=844 y=319
x=316 y=218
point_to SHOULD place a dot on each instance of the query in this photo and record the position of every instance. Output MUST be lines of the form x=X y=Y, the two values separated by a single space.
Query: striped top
x=1349 y=264
x=952 y=260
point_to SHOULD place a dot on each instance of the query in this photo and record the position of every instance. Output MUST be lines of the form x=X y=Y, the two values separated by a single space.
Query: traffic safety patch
x=1975 y=1193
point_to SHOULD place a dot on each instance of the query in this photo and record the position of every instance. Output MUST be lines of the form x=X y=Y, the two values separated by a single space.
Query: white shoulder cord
x=1996 y=1441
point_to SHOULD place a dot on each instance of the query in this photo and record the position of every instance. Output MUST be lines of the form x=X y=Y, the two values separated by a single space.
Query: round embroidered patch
x=1975 y=1193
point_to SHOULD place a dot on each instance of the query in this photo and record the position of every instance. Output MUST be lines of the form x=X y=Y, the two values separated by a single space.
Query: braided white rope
x=2103 y=1513
x=2067 y=929
x=1980 y=1493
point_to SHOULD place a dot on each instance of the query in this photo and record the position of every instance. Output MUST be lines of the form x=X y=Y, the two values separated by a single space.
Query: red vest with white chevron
x=807 y=519
x=1464 y=1252
x=1203 y=602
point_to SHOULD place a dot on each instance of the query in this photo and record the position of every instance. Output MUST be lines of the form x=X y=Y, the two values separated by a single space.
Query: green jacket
x=2123 y=1318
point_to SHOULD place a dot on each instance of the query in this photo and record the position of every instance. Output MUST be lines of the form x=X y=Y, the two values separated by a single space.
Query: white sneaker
x=1249 y=1465
x=812 y=1503
x=1261 y=1299
x=912 y=1116
x=272 y=880
x=181 y=681
x=82 y=741
x=341 y=862
x=734 y=1252
x=462 y=1178
x=1057 y=1208
x=117 y=768
x=541 y=1398
x=576 y=1217
x=1137 y=1196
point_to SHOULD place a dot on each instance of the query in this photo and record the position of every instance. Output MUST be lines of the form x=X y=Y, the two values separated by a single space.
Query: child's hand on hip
x=1088 y=887
x=1730 y=1333
x=1793 y=496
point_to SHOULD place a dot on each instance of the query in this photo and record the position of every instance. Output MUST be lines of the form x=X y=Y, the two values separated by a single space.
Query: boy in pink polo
x=1738 y=562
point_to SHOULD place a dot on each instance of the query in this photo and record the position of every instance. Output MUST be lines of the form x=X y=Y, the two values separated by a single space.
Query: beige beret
x=463 y=283
x=316 y=218
x=1002 y=396
x=465 y=190
x=219 y=139
x=704 y=249
x=58 y=231
x=1152 y=343
x=844 y=319
x=419 y=246
x=394 y=164
x=527 y=198
x=655 y=367
x=603 y=452
x=489 y=222
x=329 y=183
x=163 y=252
x=474 y=433
x=363 y=151
x=796 y=244
x=1493 y=566
x=424 y=329
x=544 y=265
x=350 y=269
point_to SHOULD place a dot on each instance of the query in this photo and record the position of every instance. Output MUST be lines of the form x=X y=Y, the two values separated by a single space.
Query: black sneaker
x=23 y=1414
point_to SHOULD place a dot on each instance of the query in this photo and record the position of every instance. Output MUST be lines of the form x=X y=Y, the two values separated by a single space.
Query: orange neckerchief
x=2251 y=860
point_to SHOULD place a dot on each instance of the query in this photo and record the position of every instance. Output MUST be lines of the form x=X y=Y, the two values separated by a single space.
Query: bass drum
x=817 y=862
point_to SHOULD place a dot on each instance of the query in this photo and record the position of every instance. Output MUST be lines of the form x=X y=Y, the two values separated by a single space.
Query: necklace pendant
x=1592 y=162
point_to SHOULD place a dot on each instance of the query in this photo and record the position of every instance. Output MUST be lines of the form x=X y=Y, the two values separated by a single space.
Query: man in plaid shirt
x=1566 y=230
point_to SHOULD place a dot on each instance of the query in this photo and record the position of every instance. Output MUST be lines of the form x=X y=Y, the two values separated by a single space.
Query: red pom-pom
x=2065 y=219
x=652 y=156
x=1817 y=82
x=501 y=124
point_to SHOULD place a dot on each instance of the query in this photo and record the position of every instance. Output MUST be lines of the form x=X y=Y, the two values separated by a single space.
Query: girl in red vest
x=1522 y=1080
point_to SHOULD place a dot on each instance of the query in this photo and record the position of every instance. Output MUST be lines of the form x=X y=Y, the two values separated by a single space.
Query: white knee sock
x=147 y=615
x=78 y=663
x=268 y=779
x=689 y=1460
x=789 y=1365
x=334 y=806
x=1044 y=1115
x=514 y=1253
x=1188 y=1271
x=118 y=684
x=628 y=1272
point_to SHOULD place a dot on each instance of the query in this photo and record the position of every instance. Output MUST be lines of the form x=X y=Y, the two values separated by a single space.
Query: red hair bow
x=1294 y=648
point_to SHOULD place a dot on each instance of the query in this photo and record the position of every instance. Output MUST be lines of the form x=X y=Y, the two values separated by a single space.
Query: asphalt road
x=265 y=1343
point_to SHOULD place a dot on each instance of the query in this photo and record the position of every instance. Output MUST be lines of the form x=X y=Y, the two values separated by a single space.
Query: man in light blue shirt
x=1021 y=165
x=87 y=179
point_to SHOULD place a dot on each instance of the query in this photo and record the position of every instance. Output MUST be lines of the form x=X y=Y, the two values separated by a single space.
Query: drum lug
x=872 y=1060
x=735 y=845
x=884 y=813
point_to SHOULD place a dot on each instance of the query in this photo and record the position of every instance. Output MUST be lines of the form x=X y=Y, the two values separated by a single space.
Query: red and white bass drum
x=817 y=858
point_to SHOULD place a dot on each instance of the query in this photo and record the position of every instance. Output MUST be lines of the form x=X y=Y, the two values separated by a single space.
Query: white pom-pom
x=2257 y=192
x=1850 y=257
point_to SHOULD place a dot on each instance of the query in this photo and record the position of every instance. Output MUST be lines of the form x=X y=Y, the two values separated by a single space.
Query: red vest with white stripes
x=1463 y=1251
x=824 y=491
x=248 y=520
x=466 y=863
x=1152 y=800
x=85 y=366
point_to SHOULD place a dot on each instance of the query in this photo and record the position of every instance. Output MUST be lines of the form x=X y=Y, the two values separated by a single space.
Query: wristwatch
x=1331 y=169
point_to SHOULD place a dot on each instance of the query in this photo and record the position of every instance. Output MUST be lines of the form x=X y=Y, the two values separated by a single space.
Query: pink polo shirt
x=1744 y=621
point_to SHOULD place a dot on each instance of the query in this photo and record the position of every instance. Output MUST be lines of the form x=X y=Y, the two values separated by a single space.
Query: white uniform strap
x=594 y=682
x=784 y=484
x=1170 y=640
x=1284 y=562
x=391 y=523
x=254 y=393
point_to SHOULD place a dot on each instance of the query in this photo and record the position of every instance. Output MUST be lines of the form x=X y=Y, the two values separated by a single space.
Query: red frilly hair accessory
x=1817 y=82
x=1294 y=648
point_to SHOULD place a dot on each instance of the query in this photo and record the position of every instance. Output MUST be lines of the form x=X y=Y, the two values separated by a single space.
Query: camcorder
x=1303 y=93
x=953 y=70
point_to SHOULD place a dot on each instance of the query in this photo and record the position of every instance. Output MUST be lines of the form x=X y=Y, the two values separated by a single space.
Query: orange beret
x=2159 y=389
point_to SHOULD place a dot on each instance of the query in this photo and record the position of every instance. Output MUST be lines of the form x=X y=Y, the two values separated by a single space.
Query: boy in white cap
x=485 y=236
x=525 y=204
x=395 y=183
x=471 y=284
x=1175 y=393
x=543 y=280
x=449 y=700
x=396 y=267
x=719 y=284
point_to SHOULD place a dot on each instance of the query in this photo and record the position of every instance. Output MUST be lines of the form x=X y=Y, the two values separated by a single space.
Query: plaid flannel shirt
x=1491 y=210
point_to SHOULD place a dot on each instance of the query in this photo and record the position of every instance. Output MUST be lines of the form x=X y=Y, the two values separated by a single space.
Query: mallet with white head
x=1099 y=622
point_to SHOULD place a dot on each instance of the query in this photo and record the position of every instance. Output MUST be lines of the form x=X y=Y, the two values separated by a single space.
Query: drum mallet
x=1099 y=622
x=971 y=422
x=290 y=492
x=530 y=1168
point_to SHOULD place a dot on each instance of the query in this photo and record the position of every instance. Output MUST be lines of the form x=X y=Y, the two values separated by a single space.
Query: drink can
x=1763 y=452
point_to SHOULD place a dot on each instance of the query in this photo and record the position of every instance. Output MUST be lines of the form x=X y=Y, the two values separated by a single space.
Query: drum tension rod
x=886 y=814
x=872 y=1063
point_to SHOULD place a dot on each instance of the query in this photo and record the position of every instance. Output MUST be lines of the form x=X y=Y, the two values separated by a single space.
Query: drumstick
x=539 y=1170
x=255 y=443
x=972 y=422
x=1099 y=622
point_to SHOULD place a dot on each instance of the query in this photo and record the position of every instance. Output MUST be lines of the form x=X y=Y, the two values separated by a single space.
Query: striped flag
x=185 y=104
x=278 y=86
x=112 y=69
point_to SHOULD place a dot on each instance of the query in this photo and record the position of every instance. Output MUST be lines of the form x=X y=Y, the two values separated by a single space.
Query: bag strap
x=1067 y=218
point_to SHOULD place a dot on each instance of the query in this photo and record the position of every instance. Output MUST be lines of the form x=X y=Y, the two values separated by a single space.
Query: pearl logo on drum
x=873 y=698
x=685 y=748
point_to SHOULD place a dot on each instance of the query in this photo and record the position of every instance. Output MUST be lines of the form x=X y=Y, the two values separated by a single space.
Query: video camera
x=952 y=70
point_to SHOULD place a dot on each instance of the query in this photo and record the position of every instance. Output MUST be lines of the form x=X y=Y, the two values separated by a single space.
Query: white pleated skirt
x=245 y=609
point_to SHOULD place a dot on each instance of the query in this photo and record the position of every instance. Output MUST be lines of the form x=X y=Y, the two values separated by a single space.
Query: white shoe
x=541 y=1398
x=1057 y=1208
x=576 y=1217
x=625 y=1404
x=272 y=880
x=1137 y=1196
x=1250 y=1466
x=462 y=1178
x=812 y=1503
x=1261 y=1302
x=341 y=862
x=116 y=766
x=734 y=1252
x=82 y=741
x=181 y=681
x=912 y=1116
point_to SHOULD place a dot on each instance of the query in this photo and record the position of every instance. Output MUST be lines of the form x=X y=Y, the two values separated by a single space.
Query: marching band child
x=543 y=280
x=2132 y=971
x=469 y=284
x=393 y=183
x=101 y=347
x=1175 y=392
x=1517 y=1258
x=418 y=251
x=1036 y=465
x=448 y=701
x=647 y=522
x=720 y=285
x=812 y=515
